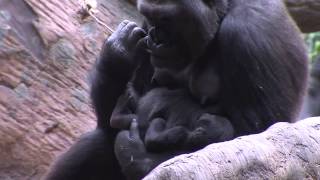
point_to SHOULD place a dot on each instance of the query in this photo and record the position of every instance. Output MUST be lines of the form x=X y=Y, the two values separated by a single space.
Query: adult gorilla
x=252 y=46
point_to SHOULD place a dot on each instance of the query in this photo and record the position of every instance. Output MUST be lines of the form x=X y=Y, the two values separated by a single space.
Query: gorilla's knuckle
x=132 y=24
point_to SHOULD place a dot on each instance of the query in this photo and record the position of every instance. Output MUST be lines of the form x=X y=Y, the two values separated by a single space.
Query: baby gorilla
x=182 y=123
x=172 y=120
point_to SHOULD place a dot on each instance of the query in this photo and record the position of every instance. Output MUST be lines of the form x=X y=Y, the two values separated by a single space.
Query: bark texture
x=284 y=151
x=306 y=13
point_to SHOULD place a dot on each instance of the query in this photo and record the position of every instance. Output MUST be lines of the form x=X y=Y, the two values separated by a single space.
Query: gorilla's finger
x=150 y=44
x=136 y=34
x=134 y=130
x=116 y=33
x=122 y=24
x=122 y=146
x=126 y=30
x=143 y=43
x=122 y=121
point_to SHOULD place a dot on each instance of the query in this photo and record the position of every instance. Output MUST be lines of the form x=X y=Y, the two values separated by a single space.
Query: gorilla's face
x=179 y=30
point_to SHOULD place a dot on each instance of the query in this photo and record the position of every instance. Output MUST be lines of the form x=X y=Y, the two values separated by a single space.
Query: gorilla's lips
x=159 y=42
x=163 y=49
x=159 y=36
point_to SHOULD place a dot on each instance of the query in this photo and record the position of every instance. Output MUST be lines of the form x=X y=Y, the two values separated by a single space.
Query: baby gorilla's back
x=172 y=120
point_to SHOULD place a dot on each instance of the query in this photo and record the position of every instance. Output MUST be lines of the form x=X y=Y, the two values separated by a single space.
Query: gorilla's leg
x=88 y=159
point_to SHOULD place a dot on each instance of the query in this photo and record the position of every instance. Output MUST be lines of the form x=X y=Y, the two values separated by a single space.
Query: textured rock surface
x=46 y=51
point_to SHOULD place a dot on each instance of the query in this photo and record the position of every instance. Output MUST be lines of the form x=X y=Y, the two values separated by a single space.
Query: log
x=284 y=151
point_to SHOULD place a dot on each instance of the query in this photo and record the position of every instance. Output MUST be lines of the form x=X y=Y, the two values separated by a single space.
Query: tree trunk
x=46 y=50
x=284 y=151
x=306 y=13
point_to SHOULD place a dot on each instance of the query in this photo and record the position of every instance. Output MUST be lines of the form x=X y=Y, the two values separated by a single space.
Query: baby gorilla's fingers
x=209 y=129
x=217 y=128
x=159 y=139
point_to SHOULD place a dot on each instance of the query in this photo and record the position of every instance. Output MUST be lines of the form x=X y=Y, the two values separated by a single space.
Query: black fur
x=171 y=120
x=251 y=47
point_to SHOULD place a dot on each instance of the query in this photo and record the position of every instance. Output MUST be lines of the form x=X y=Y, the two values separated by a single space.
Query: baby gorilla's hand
x=159 y=138
x=117 y=57
x=209 y=129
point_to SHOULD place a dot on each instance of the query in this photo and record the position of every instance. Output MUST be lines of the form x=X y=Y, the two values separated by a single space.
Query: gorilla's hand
x=131 y=153
x=210 y=129
x=159 y=138
x=118 y=55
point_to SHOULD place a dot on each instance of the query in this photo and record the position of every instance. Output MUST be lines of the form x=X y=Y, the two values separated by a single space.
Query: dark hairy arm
x=92 y=156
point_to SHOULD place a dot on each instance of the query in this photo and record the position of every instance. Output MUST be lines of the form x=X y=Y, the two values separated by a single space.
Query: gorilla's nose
x=157 y=11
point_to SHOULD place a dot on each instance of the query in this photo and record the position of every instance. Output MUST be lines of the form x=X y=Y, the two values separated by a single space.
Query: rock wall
x=46 y=51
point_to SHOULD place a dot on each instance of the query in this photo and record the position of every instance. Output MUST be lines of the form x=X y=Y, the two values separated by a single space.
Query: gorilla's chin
x=172 y=63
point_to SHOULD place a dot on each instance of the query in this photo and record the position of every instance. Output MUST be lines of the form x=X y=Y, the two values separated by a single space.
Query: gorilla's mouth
x=163 y=48
x=158 y=41
x=159 y=36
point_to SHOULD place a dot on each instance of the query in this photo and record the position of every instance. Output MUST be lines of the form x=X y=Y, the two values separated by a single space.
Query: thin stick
x=100 y=22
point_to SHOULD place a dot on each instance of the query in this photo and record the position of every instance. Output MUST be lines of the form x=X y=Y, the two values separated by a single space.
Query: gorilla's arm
x=262 y=54
x=92 y=157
